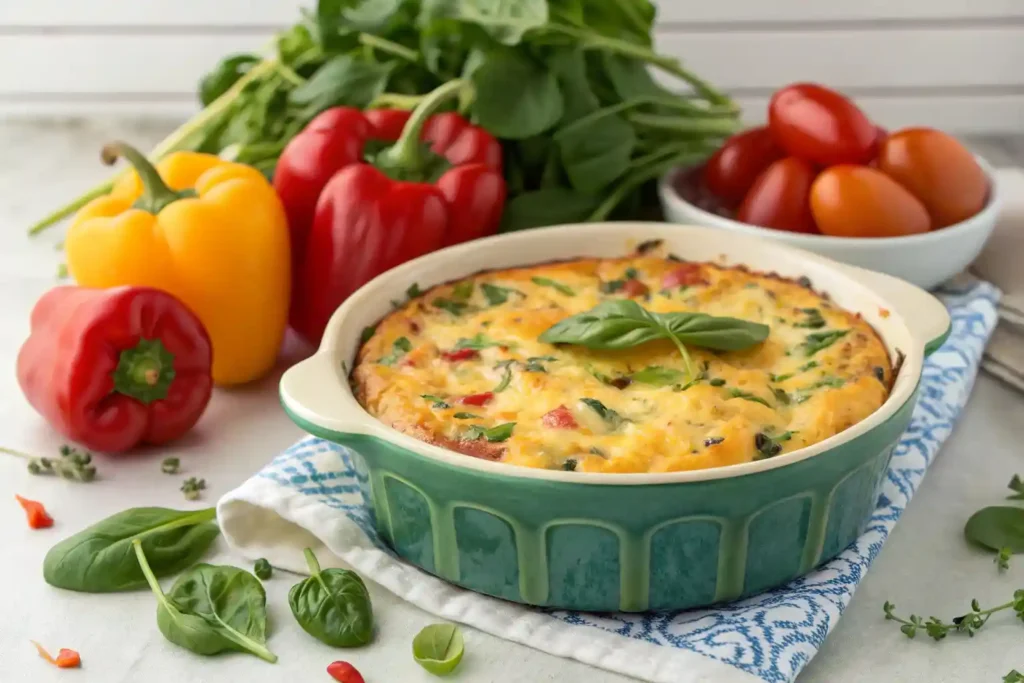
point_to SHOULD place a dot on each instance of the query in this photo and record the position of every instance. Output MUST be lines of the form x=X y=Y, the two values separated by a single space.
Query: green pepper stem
x=311 y=562
x=155 y=193
x=406 y=153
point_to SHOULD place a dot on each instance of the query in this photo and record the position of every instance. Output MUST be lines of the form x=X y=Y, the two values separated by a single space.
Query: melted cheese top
x=461 y=366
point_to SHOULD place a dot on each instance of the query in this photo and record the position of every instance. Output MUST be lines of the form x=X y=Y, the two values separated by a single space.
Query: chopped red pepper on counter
x=38 y=518
x=66 y=659
x=477 y=399
x=354 y=214
x=113 y=368
x=460 y=354
x=559 y=418
x=343 y=672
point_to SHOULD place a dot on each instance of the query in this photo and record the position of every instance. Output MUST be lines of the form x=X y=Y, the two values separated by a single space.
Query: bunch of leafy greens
x=565 y=85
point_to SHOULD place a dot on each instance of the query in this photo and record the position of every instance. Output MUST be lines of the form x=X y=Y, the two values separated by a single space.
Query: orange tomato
x=857 y=201
x=938 y=170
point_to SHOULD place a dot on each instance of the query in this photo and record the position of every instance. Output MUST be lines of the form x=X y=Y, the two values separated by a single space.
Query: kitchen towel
x=310 y=493
x=1002 y=263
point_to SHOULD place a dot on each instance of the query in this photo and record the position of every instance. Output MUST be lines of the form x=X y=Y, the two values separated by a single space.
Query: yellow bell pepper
x=216 y=238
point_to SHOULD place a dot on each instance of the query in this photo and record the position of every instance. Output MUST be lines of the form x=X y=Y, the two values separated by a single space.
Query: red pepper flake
x=559 y=418
x=36 y=513
x=477 y=399
x=634 y=288
x=460 y=354
x=344 y=673
x=685 y=275
x=884 y=312
x=66 y=659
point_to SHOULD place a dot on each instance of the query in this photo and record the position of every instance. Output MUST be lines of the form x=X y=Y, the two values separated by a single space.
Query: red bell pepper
x=113 y=368
x=354 y=214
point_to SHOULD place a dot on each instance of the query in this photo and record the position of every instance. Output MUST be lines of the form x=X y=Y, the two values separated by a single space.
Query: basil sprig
x=623 y=324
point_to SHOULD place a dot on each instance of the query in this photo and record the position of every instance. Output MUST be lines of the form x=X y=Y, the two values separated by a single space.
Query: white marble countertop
x=925 y=567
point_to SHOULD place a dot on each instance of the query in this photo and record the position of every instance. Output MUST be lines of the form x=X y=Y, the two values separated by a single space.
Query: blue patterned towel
x=308 y=489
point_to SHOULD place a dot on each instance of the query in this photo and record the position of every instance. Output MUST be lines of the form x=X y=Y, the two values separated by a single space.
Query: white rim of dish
x=667 y=191
x=325 y=362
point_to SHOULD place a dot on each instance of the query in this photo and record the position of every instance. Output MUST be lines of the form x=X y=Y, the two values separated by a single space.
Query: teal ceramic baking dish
x=629 y=542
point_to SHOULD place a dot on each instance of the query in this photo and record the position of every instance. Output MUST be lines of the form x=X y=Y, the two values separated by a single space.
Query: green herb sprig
x=71 y=463
x=193 y=487
x=968 y=623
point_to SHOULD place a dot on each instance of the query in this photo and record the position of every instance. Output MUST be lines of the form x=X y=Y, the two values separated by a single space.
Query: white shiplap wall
x=956 y=64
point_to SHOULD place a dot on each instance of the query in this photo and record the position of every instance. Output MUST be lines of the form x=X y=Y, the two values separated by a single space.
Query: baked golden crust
x=457 y=365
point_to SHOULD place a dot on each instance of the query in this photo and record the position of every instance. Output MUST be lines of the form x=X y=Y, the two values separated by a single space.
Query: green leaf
x=597 y=153
x=507 y=21
x=496 y=295
x=456 y=308
x=224 y=75
x=631 y=79
x=554 y=284
x=623 y=324
x=516 y=98
x=211 y=609
x=332 y=605
x=1017 y=486
x=997 y=527
x=367 y=333
x=611 y=417
x=821 y=340
x=399 y=348
x=438 y=648
x=343 y=81
x=495 y=434
x=506 y=379
x=465 y=416
x=463 y=291
x=436 y=401
x=747 y=396
x=550 y=206
x=100 y=558
x=570 y=68
x=658 y=376
x=480 y=341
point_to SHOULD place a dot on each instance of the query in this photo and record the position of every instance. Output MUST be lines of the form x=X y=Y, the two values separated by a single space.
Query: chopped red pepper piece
x=477 y=399
x=344 y=673
x=36 y=513
x=634 y=288
x=66 y=659
x=559 y=418
x=685 y=275
x=460 y=354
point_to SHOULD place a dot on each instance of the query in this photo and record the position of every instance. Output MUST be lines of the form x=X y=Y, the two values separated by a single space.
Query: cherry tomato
x=816 y=124
x=778 y=198
x=938 y=170
x=857 y=201
x=731 y=170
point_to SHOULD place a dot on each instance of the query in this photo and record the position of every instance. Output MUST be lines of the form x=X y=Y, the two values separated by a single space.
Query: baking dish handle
x=926 y=316
x=314 y=396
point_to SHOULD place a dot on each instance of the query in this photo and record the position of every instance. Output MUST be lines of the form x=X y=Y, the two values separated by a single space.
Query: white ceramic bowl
x=924 y=260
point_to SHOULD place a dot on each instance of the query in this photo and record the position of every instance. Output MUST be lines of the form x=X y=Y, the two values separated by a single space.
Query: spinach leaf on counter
x=100 y=558
x=332 y=605
x=211 y=609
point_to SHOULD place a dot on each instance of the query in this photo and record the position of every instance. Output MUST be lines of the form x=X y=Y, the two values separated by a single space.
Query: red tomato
x=460 y=354
x=343 y=672
x=559 y=418
x=778 y=198
x=477 y=399
x=684 y=276
x=634 y=288
x=731 y=170
x=817 y=124
x=856 y=201
x=938 y=170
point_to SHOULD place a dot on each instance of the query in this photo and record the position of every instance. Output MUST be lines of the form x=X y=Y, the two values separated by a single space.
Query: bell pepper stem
x=155 y=193
x=145 y=372
x=407 y=153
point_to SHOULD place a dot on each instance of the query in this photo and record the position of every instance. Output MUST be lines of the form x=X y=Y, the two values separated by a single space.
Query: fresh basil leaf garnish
x=821 y=340
x=494 y=434
x=496 y=295
x=399 y=348
x=747 y=396
x=658 y=376
x=479 y=342
x=437 y=401
x=454 y=307
x=611 y=418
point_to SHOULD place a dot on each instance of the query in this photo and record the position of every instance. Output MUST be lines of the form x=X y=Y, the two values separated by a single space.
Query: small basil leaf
x=495 y=434
x=399 y=348
x=332 y=605
x=506 y=379
x=997 y=527
x=100 y=558
x=747 y=396
x=479 y=342
x=456 y=308
x=463 y=290
x=611 y=418
x=438 y=648
x=496 y=295
x=821 y=340
x=367 y=333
